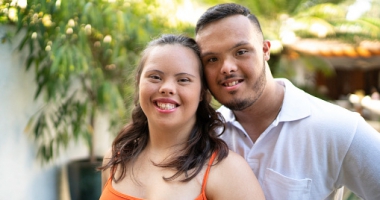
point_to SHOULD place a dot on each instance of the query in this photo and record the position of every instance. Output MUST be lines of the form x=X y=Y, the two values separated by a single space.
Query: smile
x=232 y=83
x=166 y=106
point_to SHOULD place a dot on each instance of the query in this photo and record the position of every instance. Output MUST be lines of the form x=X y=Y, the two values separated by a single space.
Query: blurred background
x=67 y=67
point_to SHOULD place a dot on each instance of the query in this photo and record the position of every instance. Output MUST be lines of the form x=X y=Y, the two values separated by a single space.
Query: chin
x=238 y=104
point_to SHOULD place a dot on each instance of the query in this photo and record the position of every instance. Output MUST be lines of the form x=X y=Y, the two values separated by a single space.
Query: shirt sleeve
x=360 y=171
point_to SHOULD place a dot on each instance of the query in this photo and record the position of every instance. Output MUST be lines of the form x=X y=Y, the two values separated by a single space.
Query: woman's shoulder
x=231 y=161
x=107 y=155
x=107 y=172
x=232 y=178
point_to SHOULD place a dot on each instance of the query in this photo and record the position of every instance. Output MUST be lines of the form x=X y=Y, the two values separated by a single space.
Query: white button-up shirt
x=310 y=150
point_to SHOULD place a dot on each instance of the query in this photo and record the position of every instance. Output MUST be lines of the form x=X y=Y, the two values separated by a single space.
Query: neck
x=159 y=155
x=165 y=141
x=257 y=118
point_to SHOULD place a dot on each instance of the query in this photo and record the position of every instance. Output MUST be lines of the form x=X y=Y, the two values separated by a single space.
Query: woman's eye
x=184 y=80
x=155 y=77
x=241 y=52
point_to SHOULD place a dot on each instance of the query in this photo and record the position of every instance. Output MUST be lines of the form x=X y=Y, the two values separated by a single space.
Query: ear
x=266 y=49
x=208 y=96
x=203 y=94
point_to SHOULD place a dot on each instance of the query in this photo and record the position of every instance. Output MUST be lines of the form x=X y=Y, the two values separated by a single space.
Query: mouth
x=231 y=83
x=165 y=106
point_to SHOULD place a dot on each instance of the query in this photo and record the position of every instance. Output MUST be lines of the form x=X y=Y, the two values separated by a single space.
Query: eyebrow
x=183 y=73
x=241 y=43
x=178 y=74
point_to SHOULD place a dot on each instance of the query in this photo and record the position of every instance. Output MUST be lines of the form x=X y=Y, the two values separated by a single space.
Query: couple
x=295 y=145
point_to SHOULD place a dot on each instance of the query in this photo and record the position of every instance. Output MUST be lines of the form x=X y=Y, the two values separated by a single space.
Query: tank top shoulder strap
x=112 y=171
x=208 y=171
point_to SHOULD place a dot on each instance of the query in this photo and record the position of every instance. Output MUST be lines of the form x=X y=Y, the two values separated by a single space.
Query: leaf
x=87 y=8
x=29 y=124
x=57 y=60
x=41 y=40
x=39 y=126
x=20 y=16
x=42 y=80
x=29 y=61
x=24 y=40
x=324 y=11
x=31 y=45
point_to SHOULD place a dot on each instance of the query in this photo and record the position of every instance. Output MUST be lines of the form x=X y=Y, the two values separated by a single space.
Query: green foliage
x=82 y=52
x=273 y=8
x=358 y=30
x=332 y=19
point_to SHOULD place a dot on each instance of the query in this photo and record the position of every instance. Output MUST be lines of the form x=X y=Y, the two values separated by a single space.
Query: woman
x=171 y=149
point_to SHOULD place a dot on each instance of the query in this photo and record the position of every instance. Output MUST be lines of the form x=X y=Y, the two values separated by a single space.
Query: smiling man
x=299 y=146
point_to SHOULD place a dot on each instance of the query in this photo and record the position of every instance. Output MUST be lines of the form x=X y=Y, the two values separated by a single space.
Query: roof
x=365 y=56
x=330 y=48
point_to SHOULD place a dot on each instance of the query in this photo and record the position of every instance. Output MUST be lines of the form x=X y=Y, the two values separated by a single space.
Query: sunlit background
x=67 y=68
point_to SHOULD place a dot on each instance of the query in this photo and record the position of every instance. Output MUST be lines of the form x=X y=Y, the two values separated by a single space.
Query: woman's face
x=170 y=86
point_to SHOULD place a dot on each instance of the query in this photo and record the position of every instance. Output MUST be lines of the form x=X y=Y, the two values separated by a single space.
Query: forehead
x=232 y=29
x=172 y=57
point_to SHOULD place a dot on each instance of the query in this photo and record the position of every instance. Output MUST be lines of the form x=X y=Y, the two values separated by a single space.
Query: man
x=299 y=147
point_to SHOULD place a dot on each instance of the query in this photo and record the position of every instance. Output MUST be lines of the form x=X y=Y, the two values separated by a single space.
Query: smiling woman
x=171 y=149
x=178 y=83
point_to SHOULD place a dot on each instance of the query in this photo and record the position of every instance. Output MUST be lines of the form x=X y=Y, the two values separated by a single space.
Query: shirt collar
x=295 y=106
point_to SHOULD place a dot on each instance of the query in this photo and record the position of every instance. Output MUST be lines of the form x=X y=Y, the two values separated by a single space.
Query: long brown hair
x=202 y=142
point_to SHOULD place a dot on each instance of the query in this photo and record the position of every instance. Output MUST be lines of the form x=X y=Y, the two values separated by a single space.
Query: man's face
x=233 y=54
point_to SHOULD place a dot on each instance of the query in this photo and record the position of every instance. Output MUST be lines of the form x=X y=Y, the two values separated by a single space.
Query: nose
x=228 y=67
x=167 y=88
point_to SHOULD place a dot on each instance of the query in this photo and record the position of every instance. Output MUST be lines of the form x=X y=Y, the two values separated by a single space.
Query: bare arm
x=106 y=173
x=232 y=178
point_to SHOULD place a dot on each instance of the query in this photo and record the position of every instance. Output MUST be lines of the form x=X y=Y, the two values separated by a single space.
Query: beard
x=258 y=88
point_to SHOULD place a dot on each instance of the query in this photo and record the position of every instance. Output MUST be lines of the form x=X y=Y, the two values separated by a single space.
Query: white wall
x=21 y=175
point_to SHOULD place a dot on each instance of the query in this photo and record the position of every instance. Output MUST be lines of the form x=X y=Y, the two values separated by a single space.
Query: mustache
x=226 y=77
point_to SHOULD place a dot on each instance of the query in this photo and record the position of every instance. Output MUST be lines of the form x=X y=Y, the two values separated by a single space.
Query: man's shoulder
x=317 y=106
x=320 y=116
x=330 y=110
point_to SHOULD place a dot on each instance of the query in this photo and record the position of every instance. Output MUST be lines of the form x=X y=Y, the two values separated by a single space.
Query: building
x=356 y=67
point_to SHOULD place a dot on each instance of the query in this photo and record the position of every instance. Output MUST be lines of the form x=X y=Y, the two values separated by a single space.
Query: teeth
x=165 y=106
x=232 y=83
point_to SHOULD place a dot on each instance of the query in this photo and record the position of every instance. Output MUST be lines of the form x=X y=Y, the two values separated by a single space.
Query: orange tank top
x=109 y=193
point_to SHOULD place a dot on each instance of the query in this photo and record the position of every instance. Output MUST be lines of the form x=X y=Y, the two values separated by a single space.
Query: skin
x=171 y=75
x=235 y=57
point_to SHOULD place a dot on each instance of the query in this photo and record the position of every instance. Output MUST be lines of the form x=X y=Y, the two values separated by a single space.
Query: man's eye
x=241 y=52
x=212 y=60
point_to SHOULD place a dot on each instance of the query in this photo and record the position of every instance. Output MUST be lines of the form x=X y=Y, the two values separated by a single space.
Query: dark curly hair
x=202 y=142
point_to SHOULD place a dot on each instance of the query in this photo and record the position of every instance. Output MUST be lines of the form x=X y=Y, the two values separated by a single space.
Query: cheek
x=210 y=75
x=192 y=97
x=145 y=90
x=210 y=70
